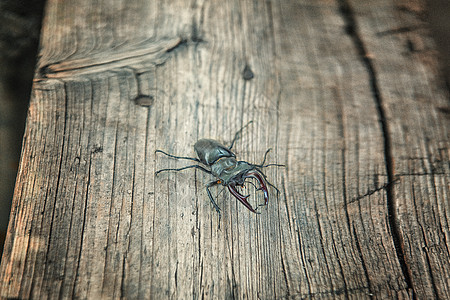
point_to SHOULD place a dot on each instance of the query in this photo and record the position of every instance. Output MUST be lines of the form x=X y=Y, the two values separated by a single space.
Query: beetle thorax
x=228 y=170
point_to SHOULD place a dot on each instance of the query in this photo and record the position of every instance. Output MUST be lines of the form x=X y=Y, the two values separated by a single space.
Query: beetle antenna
x=261 y=165
x=178 y=157
x=268 y=182
x=238 y=133
x=265 y=156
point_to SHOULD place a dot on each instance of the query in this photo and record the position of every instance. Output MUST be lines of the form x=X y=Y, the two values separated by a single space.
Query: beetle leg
x=183 y=168
x=240 y=197
x=262 y=183
x=178 y=157
x=213 y=183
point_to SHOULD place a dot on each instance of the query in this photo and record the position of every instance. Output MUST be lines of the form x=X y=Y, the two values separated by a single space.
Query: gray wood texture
x=348 y=95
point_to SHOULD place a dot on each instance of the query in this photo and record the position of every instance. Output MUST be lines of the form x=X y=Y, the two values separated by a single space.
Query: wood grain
x=346 y=93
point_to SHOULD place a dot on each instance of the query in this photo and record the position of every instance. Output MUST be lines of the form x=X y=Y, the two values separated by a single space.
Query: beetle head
x=233 y=173
x=262 y=186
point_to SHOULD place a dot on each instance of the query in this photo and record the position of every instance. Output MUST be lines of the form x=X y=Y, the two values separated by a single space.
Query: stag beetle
x=228 y=171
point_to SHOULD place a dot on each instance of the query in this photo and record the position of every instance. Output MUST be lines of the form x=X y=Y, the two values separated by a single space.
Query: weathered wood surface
x=348 y=95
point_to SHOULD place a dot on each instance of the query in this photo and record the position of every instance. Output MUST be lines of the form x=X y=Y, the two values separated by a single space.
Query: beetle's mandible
x=228 y=171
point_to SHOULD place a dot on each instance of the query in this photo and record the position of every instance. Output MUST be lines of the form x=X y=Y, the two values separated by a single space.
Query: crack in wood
x=373 y=191
x=363 y=262
x=48 y=261
x=151 y=53
x=333 y=292
x=349 y=17
x=398 y=30
x=181 y=43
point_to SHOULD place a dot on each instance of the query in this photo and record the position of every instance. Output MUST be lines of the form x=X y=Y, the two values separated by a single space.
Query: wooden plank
x=356 y=118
